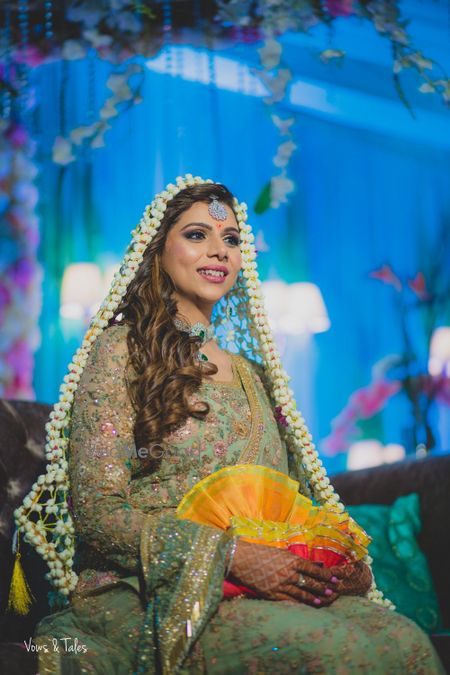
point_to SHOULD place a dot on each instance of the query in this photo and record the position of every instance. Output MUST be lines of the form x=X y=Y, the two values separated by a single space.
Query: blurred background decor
x=421 y=372
x=331 y=118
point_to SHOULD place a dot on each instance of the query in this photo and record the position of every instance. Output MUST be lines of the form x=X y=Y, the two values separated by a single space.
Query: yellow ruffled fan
x=264 y=506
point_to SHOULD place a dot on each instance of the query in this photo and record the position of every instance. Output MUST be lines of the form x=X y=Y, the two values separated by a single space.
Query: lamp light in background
x=308 y=313
x=295 y=309
x=274 y=301
x=370 y=452
x=439 y=366
x=295 y=313
x=83 y=288
x=439 y=360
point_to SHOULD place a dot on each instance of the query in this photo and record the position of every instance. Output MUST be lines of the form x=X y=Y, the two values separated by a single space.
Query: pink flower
x=5 y=296
x=336 y=442
x=339 y=7
x=418 y=286
x=220 y=449
x=387 y=276
x=247 y=34
x=437 y=386
x=31 y=55
x=19 y=389
x=369 y=400
x=280 y=418
x=22 y=273
x=348 y=416
x=21 y=362
x=20 y=359
x=17 y=135
x=443 y=393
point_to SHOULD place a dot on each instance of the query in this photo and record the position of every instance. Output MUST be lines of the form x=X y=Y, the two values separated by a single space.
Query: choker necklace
x=198 y=329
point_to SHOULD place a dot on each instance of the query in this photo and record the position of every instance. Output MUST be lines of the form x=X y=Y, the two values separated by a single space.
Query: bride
x=152 y=404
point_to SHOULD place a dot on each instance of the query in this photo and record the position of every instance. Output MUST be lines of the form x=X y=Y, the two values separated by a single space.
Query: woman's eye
x=190 y=234
x=234 y=239
x=231 y=238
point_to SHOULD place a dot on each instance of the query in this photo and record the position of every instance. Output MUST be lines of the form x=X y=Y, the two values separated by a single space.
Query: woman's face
x=199 y=242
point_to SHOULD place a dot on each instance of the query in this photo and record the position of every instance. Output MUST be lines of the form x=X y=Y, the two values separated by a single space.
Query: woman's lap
x=351 y=636
x=245 y=636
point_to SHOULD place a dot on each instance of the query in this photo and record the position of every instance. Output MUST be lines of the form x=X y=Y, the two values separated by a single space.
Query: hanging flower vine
x=124 y=29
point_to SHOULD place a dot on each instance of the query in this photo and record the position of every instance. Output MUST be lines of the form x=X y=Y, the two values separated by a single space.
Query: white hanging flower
x=78 y=134
x=270 y=53
x=284 y=153
x=73 y=50
x=276 y=84
x=283 y=125
x=97 y=39
x=62 y=151
x=117 y=82
x=280 y=187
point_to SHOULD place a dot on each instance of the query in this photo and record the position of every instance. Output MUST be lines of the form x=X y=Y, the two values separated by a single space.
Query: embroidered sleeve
x=101 y=443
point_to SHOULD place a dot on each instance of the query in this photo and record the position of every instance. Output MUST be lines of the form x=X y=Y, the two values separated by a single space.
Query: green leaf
x=141 y=8
x=402 y=96
x=264 y=199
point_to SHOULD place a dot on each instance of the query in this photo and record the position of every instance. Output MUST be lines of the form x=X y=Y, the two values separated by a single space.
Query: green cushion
x=400 y=567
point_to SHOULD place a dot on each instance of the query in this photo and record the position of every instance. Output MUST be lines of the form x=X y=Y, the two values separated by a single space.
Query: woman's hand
x=274 y=573
x=354 y=578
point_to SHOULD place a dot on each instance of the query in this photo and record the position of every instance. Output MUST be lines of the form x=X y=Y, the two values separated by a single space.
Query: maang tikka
x=217 y=210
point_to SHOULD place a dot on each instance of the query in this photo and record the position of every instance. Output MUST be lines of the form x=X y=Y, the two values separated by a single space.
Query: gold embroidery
x=241 y=429
x=189 y=603
x=251 y=450
x=235 y=382
x=48 y=658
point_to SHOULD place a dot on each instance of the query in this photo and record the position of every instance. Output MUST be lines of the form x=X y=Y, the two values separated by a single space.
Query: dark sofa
x=22 y=437
x=430 y=478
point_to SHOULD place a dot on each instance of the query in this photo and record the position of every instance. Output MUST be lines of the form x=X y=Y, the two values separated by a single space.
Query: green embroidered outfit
x=149 y=596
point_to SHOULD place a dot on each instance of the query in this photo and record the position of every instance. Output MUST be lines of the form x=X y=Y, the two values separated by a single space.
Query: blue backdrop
x=363 y=197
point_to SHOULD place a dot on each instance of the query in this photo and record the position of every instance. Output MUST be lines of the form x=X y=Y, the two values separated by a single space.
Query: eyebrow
x=209 y=227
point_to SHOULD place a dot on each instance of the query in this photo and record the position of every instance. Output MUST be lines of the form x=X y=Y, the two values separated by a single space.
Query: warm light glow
x=295 y=309
x=82 y=290
x=369 y=453
x=393 y=452
x=439 y=361
x=364 y=454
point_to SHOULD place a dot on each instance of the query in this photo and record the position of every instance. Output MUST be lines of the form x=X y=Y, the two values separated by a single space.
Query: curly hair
x=163 y=358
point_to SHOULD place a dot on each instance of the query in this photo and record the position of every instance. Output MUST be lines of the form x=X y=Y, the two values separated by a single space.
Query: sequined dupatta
x=184 y=568
x=184 y=580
